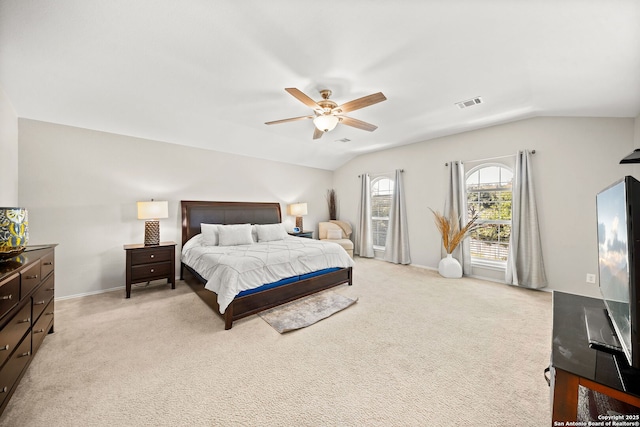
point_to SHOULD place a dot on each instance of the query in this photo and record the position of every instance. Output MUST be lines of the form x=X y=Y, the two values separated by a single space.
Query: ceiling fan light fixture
x=326 y=122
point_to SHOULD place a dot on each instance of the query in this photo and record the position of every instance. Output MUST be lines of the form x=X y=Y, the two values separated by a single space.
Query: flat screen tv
x=618 y=213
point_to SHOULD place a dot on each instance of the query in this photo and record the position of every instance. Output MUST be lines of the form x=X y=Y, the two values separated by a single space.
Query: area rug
x=305 y=311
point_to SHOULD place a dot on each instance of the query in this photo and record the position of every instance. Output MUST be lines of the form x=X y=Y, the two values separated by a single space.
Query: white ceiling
x=209 y=73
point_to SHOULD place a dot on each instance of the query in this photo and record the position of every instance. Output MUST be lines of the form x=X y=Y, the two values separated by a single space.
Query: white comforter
x=230 y=270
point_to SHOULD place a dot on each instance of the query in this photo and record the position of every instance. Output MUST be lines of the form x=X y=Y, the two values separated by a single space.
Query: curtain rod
x=381 y=173
x=493 y=158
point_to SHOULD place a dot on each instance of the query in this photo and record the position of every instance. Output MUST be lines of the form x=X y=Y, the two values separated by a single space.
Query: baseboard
x=101 y=291
x=86 y=294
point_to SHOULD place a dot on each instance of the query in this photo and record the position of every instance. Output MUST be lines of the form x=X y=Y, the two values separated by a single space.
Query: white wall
x=575 y=158
x=9 y=150
x=81 y=188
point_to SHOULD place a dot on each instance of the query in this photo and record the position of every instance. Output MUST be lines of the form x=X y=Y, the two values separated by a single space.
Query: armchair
x=338 y=232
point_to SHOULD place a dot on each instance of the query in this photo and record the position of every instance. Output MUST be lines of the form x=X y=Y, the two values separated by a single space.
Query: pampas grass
x=332 y=203
x=450 y=230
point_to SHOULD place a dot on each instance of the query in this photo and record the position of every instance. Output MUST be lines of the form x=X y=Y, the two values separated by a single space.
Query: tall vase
x=450 y=268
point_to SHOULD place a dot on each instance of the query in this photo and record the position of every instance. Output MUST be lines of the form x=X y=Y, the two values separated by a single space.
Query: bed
x=271 y=294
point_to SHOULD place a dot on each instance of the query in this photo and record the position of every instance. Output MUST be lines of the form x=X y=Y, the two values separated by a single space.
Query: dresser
x=27 y=287
x=146 y=263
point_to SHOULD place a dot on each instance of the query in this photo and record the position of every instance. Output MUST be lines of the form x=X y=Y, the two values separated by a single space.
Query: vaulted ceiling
x=210 y=73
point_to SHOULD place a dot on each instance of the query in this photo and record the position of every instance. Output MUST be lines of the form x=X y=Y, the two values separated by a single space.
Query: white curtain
x=396 y=248
x=525 y=266
x=455 y=207
x=364 y=233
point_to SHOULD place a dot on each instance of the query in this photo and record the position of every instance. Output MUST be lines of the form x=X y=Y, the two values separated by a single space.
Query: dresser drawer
x=13 y=332
x=47 y=264
x=145 y=256
x=9 y=294
x=42 y=297
x=29 y=279
x=14 y=366
x=42 y=326
x=150 y=271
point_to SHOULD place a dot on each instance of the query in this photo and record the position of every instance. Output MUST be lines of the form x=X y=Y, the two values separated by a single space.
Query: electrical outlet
x=591 y=278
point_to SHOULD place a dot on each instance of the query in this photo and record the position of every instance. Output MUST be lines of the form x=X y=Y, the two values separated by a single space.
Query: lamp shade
x=153 y=210
x=298 y=209
x=326 y=122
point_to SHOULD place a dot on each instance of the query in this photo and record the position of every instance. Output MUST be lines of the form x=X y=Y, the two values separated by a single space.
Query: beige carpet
x=416 y=350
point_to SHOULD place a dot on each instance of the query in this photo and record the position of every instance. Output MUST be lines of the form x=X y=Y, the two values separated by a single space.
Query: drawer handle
x=152 y=270
x=35 y=276
x=6 y=347
x=50 y=289
x=7 y=297
x=3 y=389
x=48 y=263
x=28 y=353
x=152 y=256
x=39 y=302
x=49 y=313
x=27 y=320
x=39 y=331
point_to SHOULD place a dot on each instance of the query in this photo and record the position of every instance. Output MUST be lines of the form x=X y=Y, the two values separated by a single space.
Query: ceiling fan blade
x=357 y=123
x=317 y=133
x=300 y=96
x=365 y=101
x=293 y=119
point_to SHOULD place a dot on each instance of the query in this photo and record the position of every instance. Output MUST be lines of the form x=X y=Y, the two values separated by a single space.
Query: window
x=489 y=195
x=381 y=194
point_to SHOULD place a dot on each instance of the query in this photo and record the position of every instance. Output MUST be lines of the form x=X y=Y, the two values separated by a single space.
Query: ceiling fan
x=327 y=114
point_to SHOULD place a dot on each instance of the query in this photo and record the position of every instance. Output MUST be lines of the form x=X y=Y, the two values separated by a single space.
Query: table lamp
x=298 y=210
x=151 y=212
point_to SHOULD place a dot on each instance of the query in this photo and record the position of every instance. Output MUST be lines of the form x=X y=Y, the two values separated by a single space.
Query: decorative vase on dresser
x=27 y=284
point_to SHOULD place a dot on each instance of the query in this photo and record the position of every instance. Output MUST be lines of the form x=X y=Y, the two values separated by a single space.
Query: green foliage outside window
x=489 y=194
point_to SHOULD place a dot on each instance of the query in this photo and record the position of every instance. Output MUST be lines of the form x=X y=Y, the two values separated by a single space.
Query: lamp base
x=152 y=232
x=299 y=223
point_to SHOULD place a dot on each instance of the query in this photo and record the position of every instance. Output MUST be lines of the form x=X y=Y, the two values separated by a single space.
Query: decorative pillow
x=334 y=234
x=233 y=235
x=270 y=232
x=209 y=234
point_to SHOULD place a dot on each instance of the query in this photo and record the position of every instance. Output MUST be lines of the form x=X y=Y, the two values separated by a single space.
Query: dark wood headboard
x=194 y=213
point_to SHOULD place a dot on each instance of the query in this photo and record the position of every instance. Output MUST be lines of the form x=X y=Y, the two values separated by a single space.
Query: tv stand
x=575 y=364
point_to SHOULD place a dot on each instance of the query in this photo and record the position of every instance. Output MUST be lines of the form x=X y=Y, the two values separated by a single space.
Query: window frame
x=482 y=262
x=375 y=179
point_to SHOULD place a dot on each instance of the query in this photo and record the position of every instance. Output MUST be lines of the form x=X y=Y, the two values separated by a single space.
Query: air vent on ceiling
x=469 y=103
x=343 y=140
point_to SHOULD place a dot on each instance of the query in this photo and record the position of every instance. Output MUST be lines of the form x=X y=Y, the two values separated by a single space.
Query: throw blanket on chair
x=346 y=227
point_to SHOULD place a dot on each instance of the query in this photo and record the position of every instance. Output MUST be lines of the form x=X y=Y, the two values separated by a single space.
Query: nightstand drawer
x=150 y=271
x=9 y=294
x=146 y=256
x=14 y=331
x=29 y=279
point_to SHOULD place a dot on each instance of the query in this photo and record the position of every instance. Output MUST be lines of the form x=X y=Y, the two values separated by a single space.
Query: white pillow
x=270 y=232
x=233 y=235
x=209 y=234
x=334 y=234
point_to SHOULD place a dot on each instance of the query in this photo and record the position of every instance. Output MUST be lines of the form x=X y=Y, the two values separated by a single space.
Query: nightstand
x=146 y=263
x=306 y=234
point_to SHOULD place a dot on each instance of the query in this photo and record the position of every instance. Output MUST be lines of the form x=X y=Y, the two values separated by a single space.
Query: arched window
x=381 y=194
x=489 y=194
